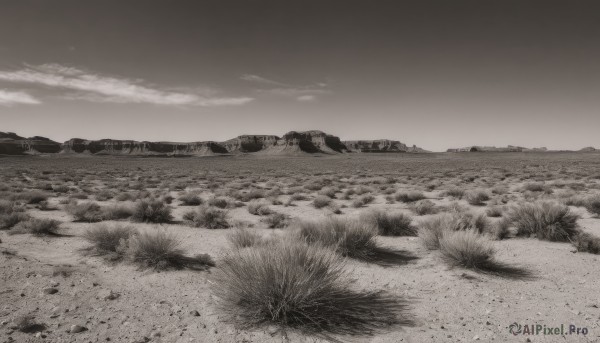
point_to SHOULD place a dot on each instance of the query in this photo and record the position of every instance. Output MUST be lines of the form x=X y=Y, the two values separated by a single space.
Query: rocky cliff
x=13 y=144
x=291 y=143
x=378 y=145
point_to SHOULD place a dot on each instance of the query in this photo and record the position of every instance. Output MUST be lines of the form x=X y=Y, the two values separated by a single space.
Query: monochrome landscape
x=299 y=171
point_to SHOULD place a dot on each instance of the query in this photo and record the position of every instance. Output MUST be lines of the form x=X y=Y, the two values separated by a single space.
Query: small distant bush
x=259 y=208
x=584 y=242
x=218 y=202
x=408 y=197
x=104 y=195
x=85 y=212
x=116 y=212
x=476 y=197
x=32 y=197
x=494 y=211
x=208 y=217
x=276 y=220
x=348 y=237
x=457 y=193
x=243 y=238
x=37 y=227
x=107 y=240
x=8 y=221
x=190 y=199
x=388 y=224
x=162 y=251
x=151 y=211
x=321 y=201
x=423 y=207
x=363 y=201
x=535 y=187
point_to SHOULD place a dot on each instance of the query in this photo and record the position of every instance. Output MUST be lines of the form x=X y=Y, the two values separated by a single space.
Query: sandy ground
x=120 y=303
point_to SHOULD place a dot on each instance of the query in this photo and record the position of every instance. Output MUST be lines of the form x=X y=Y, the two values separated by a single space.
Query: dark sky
x=437 y=74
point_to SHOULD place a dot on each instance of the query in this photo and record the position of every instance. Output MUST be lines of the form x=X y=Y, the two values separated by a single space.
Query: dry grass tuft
x=302 y=286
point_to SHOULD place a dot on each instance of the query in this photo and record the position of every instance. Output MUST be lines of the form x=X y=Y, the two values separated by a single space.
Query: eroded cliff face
x=378 y=145
x=292 y=143
x=313 y=141
x=127 y=147
x=250 y=143
x=12 y=144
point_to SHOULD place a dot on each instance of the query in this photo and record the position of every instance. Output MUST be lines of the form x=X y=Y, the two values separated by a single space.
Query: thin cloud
x=260 y=79
x=306 y=98
x=8 y=98
x=299 y=93
x=94 y=87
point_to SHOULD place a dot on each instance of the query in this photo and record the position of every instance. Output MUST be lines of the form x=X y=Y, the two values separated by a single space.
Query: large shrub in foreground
x=294 y=284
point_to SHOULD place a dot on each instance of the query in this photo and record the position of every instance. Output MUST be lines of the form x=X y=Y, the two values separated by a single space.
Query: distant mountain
x=510 y=148
x=291 y=143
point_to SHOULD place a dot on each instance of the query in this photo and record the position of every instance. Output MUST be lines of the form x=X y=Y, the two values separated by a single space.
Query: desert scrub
x=259 y=208
x=37 y=227
x=243 y=238
x=584 y=242
x=32 y=197
x=351 y=238
x=408 y=197
x=106 y=240
x=163 y=251
x=276 y=220
x=432 y=229
x=476 y=197
x=85 y=212
x=494 y=211
x=468 y=249
x=387 y=224
x=218 y=202
x=363 y=201
x=208 y=217
x=544 y=220
x=457 y=193
x=302 y=286
x=423 y=207
x=190 y=199
x=321 y=201
x=151 y=211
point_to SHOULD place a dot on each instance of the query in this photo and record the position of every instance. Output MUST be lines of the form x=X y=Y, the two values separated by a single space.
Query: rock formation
x=13 y=144
x=291 y=143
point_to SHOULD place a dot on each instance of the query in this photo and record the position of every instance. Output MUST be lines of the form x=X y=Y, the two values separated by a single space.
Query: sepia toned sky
x=434 y=73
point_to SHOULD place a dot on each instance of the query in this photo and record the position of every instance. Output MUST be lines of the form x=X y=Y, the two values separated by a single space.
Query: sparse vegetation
x=397 y=224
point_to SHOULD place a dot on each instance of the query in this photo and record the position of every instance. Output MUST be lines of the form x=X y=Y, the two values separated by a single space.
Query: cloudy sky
x=434 y=73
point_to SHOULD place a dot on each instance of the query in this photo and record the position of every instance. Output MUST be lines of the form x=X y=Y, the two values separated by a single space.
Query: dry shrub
x=585 y=242
x=476 y=197
x=190 y=199
x=408 y=197
x=37 y=227
x=302 y=286
x=276 y=220
x=162 y=251
x=152 y=211
x=208 y=217
x=457 y=193
x=259 y=208
x=468 y=249
x=423 y=207
x=544 y=220
x=321 y=201
x=108 y=240
x=243 y=238
x=388 y=224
